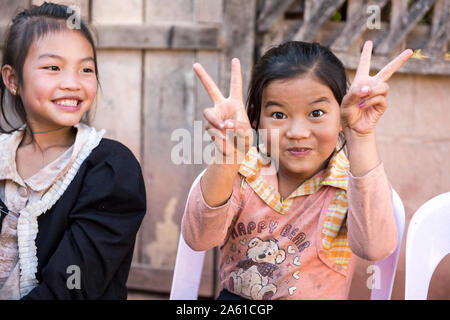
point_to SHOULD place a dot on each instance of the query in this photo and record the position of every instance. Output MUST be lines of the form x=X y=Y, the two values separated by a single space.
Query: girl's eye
x=52 y=68
x=317 y=113
x=88 y=70
x=278 y=115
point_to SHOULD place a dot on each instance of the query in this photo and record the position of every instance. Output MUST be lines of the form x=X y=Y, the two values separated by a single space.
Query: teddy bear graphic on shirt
x=252 y=279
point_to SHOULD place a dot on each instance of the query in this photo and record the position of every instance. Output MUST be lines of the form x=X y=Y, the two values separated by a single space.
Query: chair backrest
x=189 y=263
x=427 y=243
x=388 y=266
x=188 y=266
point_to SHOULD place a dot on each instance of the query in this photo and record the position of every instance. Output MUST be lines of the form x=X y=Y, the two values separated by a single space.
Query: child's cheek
x=42 y=87
x=91 y=89
x=327 y=139
x=271 y=140
x=34 y=96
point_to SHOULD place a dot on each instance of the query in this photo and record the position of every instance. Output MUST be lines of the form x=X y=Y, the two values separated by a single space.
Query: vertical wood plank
x=120 y=73
x=173 y=10
x=209 y=11
x=440 y=29
x=309 y=9
x=272 y=11
x=119 y=109
x=398 y=8
x=9 y=8
x=355 y=7
x=83 y=4
x=119 y=101
x=168 y=101
x=171 y=104
x=275 y=36
x=168 y=105
x=320 y=13
x=114 y=11
x=239 y=26
x=440 y=14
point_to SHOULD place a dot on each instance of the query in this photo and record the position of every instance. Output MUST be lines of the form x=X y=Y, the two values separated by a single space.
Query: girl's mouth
x=299 y=152
x=68 y=104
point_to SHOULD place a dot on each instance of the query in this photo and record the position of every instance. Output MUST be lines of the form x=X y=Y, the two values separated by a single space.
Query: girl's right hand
x=227 y=122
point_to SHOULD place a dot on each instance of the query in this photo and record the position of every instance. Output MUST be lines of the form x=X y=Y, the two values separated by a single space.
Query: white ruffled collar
x=27 y=226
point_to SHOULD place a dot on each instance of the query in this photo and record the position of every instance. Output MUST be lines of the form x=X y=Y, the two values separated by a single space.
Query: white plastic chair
x=188 y=266
x=189 y=263
x=427 y=243
x=388 y=265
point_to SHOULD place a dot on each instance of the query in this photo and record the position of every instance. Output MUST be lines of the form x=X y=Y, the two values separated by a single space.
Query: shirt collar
x=48 y=175
x=8 y=148
x=335 y=175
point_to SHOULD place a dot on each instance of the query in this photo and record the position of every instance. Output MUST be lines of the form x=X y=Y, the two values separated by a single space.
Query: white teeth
x=67 y=102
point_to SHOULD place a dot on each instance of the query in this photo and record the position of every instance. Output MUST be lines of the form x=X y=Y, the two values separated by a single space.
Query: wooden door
x=173 y=99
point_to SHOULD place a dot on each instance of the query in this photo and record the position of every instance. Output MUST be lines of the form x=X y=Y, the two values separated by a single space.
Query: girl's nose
x=298 y=129
x=70 y=81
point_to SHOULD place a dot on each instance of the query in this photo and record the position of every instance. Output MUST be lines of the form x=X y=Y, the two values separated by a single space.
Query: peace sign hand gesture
x=228 y=114
x=365 y=101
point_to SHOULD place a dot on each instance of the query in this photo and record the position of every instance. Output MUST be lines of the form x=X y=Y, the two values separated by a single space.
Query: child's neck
x=288 y=181
x=37 y=151
x=44 y=140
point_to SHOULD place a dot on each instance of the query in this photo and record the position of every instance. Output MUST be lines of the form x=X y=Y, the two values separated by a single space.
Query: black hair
x=290 y=60
x=27 y=27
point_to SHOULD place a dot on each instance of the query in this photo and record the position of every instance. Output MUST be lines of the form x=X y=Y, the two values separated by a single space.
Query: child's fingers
x=212 y=117
x=234 y=130
x=208 y=83
x=381 y=89
x=215 y=133
x=394 y=65
x=378 y=101
x=364 y=61
x=239 y=127
x=355 y=94
x=236 y=80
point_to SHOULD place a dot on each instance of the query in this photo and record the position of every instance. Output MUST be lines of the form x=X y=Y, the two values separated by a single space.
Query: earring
x=14 y=92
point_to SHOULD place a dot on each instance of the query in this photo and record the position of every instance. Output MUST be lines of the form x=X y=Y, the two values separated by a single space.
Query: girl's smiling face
x=307 y=116
x=59 y=80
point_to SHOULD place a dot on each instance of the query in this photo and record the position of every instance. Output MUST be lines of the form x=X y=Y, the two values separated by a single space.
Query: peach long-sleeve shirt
x=301 y=247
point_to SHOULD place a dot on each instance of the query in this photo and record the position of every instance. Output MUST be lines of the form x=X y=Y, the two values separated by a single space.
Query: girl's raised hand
x=365 y=101
x=227 y=114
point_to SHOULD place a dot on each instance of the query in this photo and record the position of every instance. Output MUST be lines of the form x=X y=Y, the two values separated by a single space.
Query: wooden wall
x=146 y=49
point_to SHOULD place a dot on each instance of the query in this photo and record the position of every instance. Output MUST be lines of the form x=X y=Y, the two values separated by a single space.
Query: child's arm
x=227 y=116
x=371 y=222
x=209 y=212
x=204 y=227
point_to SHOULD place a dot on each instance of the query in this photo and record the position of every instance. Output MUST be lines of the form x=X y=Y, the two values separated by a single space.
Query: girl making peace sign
x=293 y=233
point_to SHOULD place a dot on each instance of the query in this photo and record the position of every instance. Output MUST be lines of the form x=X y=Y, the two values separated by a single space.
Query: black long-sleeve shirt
x=90 y=232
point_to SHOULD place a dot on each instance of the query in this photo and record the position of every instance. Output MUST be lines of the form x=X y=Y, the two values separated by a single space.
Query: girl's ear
x=9 y=78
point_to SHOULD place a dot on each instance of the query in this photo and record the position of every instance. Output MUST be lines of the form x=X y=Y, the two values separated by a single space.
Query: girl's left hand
x=365 y=101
